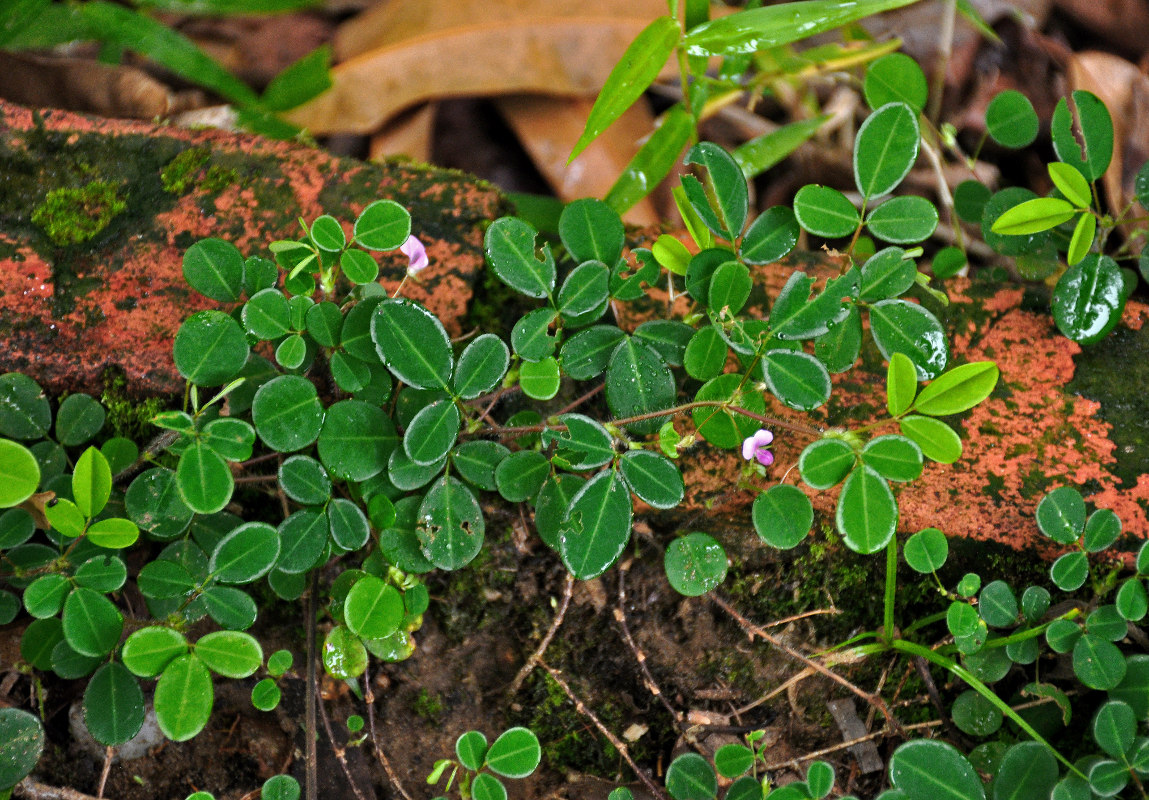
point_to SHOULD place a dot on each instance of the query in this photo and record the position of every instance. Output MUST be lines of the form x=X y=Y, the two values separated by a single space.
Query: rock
x=95 y=215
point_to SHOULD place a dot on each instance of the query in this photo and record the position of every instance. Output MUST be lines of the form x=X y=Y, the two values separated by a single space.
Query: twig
x=104 y=772
x=580 y=400
x=335 y=748
x=369 y=696
x=639 y=656
x=42 y=791
x=794 y=762
x=757 y=630
x=311 y=776
x=617 y=743
x=537 y=656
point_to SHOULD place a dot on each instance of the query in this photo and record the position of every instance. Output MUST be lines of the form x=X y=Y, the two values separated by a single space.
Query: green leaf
x=431 y=433
x=1132 y=600
x=302 y=536
x=695 y=564
x=585 y=444
x=486 y=786
x=638 y=382
x=1097 y=662
x=1061 y=515
x=899 y=326
x=413 y=344
x=895 y=458
x=38 y=641
x=78 y=419
x=958 y=390
x=1034 y=216
x=265 y=695
x=481 y=366
x=825 y=462
x=948 y=262
x=230 y=653
x=280 y=787
x=745 y=788
x=596 y=526
x=1114 y=728
x=21 y=743
x=732 y=760
x=356 y=440
x=653 y=161
x=515 y=754
x=91 y=482
x=895 y=78
x=232 y=608
x=204 y=479
x=92 y=624
x=304 y=79
x=669 y=337
x=782 y=516
x=726 y=213
x=1089 y=298
x=347 y=524
x=654 y=478
x=153 y=502
x=729 y=289
x=209 y=348
x=287 y=413
x=476 y=462
x=867 y=514
x=824 y=211
x=451 y=524
x=1101 y=530
x=540 y=380
x=973 y=714
x=383 y=225
x=344 y=656
x=103 y=573
x=758 y=155
x=1011 y=120
x=163 y=579
x=266 y=314
x=706 y=353
x=113 y=705
x=635 y=71
x=796 y=378
x=1091 y=118
x=1083 y=234
x=820 y=779
x=245 y=554
x=591 y=231
x=770 y=237
x=888 y=273
x=1107 y=778
x=214 y=268
x=183 y=698
x=764 y=28
x=901 y=384
x=926 y=551
x=471 y=749
x=720 y=427
x=885 y=149
x=1070 y=571
x=796 y=316
x=937 y=440
x=373 y=609
x=149 y=650
x=19 y=16
x=113 y=533
x=44 y=597
x=551 y=504
x=24 y=410
x=510 y=247
x=839 y=346
x=929 y=768
x=229 y=437
x=690 y=776
x=1070 y=183
x=903 y=220
x=997 y=605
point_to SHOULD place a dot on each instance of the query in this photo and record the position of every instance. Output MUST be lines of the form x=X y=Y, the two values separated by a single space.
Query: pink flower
x=755 y=447
x=416 y=253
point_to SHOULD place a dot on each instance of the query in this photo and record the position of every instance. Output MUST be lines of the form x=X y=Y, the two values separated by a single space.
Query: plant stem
x=891 y=588
x=311 y=778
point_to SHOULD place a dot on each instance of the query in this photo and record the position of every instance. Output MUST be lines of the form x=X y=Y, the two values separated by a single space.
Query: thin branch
x=335 y=748
x=617 y=743
x=41 y=791
x=639 y=656
x=537 y=656
x=794 y=762
x=108 y=752
x=757 y=630
x=311 y=776
x=369 y=696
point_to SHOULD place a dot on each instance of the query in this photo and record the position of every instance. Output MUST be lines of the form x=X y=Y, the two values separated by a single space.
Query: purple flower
x=755 y=447
x=416 y=254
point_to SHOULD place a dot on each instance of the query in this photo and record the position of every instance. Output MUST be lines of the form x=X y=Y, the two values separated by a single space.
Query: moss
x=73 y=215
x=180 y=173
x=428 y=705
x=126 y=417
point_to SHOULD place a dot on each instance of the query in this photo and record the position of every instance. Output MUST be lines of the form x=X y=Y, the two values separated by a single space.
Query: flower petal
x=415 y=252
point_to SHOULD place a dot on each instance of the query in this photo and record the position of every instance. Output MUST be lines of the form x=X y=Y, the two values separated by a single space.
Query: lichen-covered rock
x=95 y=215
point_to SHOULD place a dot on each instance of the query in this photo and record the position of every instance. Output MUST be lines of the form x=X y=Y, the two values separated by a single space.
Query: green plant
x=514 y=754
x=38 y=24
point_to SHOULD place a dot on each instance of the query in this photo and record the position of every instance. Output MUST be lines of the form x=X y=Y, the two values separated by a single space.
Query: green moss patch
x=73 y=215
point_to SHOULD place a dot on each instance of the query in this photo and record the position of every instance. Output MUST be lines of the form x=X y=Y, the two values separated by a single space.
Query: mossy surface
x=71 y=215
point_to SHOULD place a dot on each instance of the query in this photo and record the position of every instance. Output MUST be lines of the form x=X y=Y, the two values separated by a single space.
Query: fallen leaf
x=408 y=135
x=548 y=127
x=564 y=56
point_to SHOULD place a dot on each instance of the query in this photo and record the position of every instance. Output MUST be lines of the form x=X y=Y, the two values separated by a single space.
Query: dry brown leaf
x=548 y=128
x=80 y=84
x=1125 y=92
x=557 y=55
x=408 y=135
x=394 y=21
